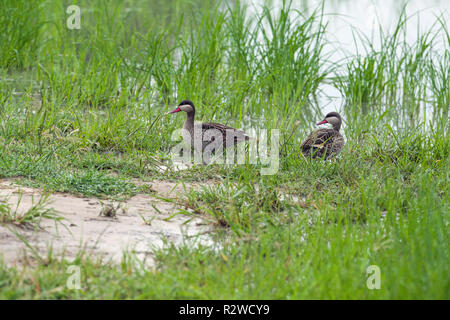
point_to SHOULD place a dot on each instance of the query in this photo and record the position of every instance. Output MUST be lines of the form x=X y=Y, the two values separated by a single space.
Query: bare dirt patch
x=140 y=223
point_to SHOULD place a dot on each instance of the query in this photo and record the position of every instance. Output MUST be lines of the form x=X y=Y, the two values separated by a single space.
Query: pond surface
x=345 y=18
x=349 y=21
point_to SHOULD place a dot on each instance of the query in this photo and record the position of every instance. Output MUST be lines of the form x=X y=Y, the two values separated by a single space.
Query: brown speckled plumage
x=209 y=130
x=325 y=142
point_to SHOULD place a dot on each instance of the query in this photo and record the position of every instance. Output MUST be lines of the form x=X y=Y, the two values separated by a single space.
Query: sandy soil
x=98 y=234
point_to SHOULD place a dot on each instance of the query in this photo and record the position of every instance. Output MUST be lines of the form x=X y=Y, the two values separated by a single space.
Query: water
x=344 y=18
x=348 y=20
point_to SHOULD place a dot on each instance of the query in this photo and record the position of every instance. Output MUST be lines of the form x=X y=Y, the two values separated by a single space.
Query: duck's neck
x=189 y=123
x=337 y=126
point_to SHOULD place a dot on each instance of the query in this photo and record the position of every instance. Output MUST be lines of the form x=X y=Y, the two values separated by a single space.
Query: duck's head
x=186 y=106
x=334 y=119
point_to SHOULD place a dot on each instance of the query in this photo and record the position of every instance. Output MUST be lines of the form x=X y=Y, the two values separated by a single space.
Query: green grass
x=81 y=111
x=9 y=214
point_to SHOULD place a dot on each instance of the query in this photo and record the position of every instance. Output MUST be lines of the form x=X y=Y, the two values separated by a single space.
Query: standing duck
x=325 y=142
x=209 y=130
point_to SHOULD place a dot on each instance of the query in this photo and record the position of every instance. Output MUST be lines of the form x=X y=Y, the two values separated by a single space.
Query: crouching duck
x=207 y=132
x=325 y=142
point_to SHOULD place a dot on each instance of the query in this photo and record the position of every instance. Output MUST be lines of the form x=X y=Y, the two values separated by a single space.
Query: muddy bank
x=139 y=224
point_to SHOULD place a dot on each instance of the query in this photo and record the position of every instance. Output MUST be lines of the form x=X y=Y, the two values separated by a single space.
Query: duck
x=325 y=143
x=209 y=130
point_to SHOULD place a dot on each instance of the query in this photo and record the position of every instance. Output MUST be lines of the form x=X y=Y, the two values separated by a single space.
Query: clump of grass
x=20 y=27
x=439 y=77
x=93 y=183
x=110 y=210
x=30 y=218
x=392 y=78
x=238 y=206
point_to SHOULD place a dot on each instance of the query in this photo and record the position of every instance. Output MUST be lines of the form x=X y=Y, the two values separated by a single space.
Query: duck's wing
x=223 y=129
x=318 y=138
x=218 y=126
